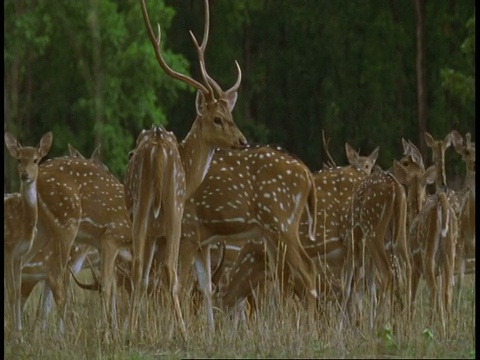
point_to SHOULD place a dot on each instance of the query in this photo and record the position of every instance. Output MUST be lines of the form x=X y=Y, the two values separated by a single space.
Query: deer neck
x=196 y=157
x=29 y=206
x=441 y=178
x=469 y=185
x=415 y=198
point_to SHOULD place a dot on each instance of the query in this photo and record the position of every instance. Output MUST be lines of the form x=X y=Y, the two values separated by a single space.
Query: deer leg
x=109 y=253
x=139 y=232
x=44 y=305
x=302 y=268
x=188 y=249
x=348 y=286
x=384 y=268
x=173 y=231
x=151 y=248
x=12 y=269
x=203 y=272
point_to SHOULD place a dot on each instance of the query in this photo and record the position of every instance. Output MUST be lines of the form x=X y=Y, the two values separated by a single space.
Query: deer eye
x=405 y=162
x=217 y=120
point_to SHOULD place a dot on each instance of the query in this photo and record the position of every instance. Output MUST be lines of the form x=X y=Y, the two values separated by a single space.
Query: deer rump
x=154 y=191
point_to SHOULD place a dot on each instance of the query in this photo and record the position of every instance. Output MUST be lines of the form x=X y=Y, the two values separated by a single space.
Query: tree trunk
x=97 y=70
x=420 y=65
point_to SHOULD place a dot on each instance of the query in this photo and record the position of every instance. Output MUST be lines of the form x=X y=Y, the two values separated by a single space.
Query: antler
x=156 y=46
x=209 y=83
x=201 y=55
x=330 y=163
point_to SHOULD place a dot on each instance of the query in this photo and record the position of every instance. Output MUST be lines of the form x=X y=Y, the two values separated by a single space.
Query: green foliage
x=97 y=78
x=87 y=71
x=461 y=84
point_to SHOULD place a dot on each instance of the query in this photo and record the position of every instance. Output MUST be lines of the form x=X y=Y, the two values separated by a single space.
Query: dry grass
x=283 y=331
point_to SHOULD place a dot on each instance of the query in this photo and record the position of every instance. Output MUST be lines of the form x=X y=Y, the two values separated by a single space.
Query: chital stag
x=433 y=233
x=157 y=206
x=20 y=219
x=466 y=214
x=334 y=188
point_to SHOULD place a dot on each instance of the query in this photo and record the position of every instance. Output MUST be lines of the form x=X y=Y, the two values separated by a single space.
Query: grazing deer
x=466 y=213
x=162 y=174
x=20 y=219
x=433 y=233
x=334 y=188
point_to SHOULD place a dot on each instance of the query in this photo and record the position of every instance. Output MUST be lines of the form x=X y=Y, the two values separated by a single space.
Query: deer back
x=77 y=193
x=155 y=178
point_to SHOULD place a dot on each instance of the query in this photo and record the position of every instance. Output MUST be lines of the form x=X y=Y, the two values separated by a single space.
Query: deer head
x=213 y=105
x=28 y=157
x=361 y=163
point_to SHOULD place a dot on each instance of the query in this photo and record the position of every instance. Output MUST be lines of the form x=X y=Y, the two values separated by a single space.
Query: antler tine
x=330 y=162
x=156 y=46
x=233 y=88
x=201 y=60
x=239 y=80
x=201 y=53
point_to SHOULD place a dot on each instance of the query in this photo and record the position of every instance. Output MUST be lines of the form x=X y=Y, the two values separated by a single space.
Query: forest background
x=368 y=72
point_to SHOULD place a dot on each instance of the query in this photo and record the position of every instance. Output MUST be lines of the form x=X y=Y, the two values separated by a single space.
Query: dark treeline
x=86 y=70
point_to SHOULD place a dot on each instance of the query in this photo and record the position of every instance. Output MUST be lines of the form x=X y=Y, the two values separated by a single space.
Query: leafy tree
x=94 y=75
x=87 y=71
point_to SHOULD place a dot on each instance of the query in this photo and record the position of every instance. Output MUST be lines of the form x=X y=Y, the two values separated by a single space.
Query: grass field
x=283 y=331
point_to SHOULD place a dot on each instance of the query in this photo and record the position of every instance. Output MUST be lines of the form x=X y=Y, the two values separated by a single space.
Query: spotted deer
x=466 y=211
x=37 y=268
x=376 y=238
x=438 y=157
x=20 y=219
x=334 y=188
x=433 y=232
x=162 y=173
x=249 y=193
x=82 y=202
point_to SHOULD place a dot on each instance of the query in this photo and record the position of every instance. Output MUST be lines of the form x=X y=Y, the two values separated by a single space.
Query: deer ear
x=429 y=139
x=405 y=146
x=448 y=141
x=374 y=155
x=231 y=100
x=457 y=141
x=352 y=155
x=415 y=155
x=45 y=144
x=200 y=103
x=430 y=175
x=12 y=144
